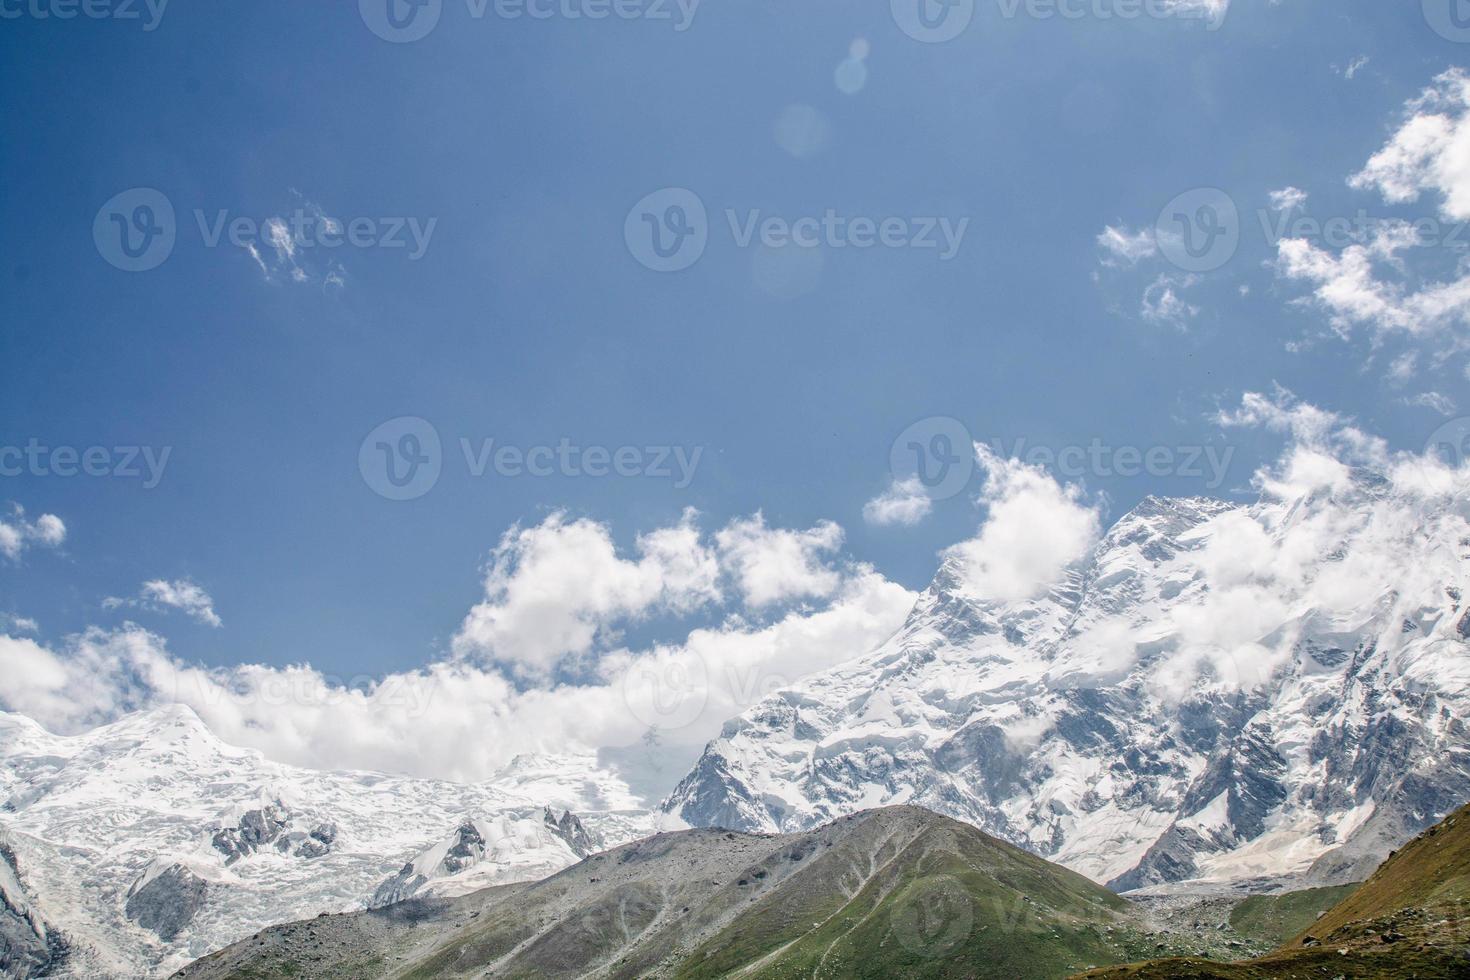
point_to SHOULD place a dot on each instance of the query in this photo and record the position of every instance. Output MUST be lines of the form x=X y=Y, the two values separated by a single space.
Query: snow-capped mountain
x=478 y=852
x=146 y=843
x=1214 y=692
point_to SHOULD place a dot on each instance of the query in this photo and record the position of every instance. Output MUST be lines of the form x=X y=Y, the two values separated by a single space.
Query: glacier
x=141 y=845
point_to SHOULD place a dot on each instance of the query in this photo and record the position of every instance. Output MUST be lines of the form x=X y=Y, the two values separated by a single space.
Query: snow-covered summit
x=149 y=842
x=1215 y=691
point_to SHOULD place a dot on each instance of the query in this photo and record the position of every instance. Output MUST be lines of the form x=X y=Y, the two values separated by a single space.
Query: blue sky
x=517 y=148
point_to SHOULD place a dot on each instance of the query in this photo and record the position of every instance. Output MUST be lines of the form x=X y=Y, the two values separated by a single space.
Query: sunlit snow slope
x=148 y=843
x=1215 y=692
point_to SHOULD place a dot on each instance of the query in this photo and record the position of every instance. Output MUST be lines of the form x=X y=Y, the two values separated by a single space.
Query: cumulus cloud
x=181 y=594
x=904 y=502
x=772 y=565
x=1369 y=284
x=17 y=534
x=1430 y=152
x=1348 y=287
x=454 y=719
x=1034 y=528
x=553 y=590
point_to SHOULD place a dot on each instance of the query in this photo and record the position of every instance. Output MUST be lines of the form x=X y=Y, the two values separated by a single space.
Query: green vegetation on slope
x=1411 y=918
x=1274 y=919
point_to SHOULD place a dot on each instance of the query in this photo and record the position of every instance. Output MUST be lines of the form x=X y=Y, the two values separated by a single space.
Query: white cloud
x=1353 y=67
x=1162 y=302
x=1437 y=401
x=772 y=565
x=1335 y=491
x=181 y=594
x=454 y=719
x=1370 y=284
x=1401 y=369
x=553 y=590
x=287 y=243
x=18 y=534
x=1430 y=152
x=1288 y=199
x=1350 y=291
x=1034 y=528
x=19 y=624
x=1127 y=248
x=1213 y=11
x=904 y=502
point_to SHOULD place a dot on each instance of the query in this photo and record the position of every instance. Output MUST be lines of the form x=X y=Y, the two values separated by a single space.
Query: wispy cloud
x=162 y=595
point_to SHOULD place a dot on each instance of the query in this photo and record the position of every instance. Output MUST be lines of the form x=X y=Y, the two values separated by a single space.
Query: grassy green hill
x=1410 y=919
x=898 y=892
x=892 y=892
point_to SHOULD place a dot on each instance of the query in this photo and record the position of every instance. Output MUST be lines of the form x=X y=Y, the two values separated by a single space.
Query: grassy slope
x=1410 y=919
x=900 y=892
x=951 y=904
x=1274 y=919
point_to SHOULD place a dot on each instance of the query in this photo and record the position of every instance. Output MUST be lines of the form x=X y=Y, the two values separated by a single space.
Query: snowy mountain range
x=1214 y=692
x=144 y=844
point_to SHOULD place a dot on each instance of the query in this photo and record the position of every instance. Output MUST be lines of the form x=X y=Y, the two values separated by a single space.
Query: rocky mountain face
x=898 y=892
x=477 y=852
x=144 y=844
x=1216 y=692
x=29 y=946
